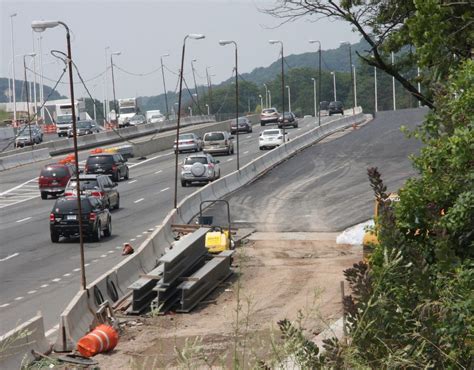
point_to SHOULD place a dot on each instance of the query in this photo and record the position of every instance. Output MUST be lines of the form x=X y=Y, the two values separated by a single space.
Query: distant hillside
x=20 y=94
x=332 y=60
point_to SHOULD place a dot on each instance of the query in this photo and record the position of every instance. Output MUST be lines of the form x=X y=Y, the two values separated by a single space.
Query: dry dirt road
x=277 y=275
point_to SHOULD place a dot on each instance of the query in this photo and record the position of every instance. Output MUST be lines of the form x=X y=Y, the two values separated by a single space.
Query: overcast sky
x=144 y=30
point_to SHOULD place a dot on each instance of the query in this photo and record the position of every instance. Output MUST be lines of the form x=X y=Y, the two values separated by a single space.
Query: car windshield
x=100 y=159
x=83 y=124
x=127 y=110
x=69 y=204
x=186 y=137
x=157 y=116
x=86 y=184
x=137 y=118
x=287 y=115
x=241 y=120
x=54 y=172
x=271 y=133
x=64 y=119
x=269 y=111
x=214 y=136
x=192 y=160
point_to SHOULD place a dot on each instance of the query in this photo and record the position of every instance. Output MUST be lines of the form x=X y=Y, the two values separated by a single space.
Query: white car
x=271 y=138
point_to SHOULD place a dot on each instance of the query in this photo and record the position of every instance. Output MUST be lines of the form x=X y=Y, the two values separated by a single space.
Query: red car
x=54 y=178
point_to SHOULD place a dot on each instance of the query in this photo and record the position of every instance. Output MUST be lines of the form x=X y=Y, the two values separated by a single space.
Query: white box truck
x=127 y=109
x=63 y=114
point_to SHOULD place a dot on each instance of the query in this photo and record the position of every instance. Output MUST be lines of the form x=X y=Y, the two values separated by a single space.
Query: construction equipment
x=218 y=239
x=370 y=237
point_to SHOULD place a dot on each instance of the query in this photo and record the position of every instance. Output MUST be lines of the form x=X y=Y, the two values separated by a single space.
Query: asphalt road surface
x=325 y=187
x=36 y=274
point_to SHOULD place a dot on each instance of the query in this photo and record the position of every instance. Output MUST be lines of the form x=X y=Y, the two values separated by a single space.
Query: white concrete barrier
x=20 y=159
x=17 y=344
x=7 y=133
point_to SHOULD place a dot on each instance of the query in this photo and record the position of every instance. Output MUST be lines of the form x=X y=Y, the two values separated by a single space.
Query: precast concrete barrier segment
x=78 y=317
x=17 y=344
x=7 y=133
x=23 y=158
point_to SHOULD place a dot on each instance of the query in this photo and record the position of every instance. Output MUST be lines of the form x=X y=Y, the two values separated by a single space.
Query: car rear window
x=186 y=137
x=69 y=204
x=85 y=184
x=100 y=159
x=54 y=172
x=214 y=136
x=269 y=111
x=193 y=160
x=271 y=132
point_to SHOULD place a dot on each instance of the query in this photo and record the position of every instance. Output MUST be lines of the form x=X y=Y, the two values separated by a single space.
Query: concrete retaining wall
x=23 y=158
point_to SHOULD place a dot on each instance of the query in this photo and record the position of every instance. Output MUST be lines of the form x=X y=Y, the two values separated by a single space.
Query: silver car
x=28 y=137
x=188 y=142
x=199 y=168
x=84 y=128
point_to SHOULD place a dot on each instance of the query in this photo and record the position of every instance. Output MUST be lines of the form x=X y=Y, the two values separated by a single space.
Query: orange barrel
x=97 y=151
x=102 y=339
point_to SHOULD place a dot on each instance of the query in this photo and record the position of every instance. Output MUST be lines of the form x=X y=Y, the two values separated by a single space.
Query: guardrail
x=79 y=316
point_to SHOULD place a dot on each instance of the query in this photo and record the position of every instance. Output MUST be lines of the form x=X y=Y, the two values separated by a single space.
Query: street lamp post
x=106 y=88
x=269 y=98
x=207 y=106
x=334 y=85
x=190 y=111
x=27 y=96
x=113 y=84
x=393 y=86
x=355 y=85
x=195 y=36
x=209 y=88
x=40 y=26
x=352 y=76
x=164 y=84
x=34 y=78
x=266 y=95
x=289 y=98
x=227 y=42
x=195 y=84
x=261 y=101
x=314 y=95
x=40 y=46
x=375 y=90
x=13 y=68
x=282 y=83
x=319 y=79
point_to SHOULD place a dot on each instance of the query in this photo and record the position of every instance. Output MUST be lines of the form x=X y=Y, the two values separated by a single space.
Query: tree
x=441 y=32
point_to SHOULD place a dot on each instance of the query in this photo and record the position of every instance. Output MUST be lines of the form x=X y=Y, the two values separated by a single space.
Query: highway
x=38 y=275
x=325 y=188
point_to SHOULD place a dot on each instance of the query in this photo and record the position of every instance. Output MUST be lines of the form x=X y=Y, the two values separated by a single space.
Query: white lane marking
x=110 y=252
x=298 y=129
x=44 y=286
x=249 y=136
x=76 y=270
x=32 y=291
x=139 y=200
x=132 y=240
x=150 y=159
x=24 y=219
x=17 y=187
x=131 y=182
x=118 y=247
x=19 y=298
x=10 y=256
x=246 y=152
x=67 y=274
x=139 y=236
x=5 y=305
x=87 y=264
x=230 y=159
x=52 y=330
x=56 y=280
x=103 y=255
x=162 y=190
x=157 y=172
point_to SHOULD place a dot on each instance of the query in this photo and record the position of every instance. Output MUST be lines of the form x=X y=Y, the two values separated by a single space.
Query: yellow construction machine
x=218 y=239
x=370 y=236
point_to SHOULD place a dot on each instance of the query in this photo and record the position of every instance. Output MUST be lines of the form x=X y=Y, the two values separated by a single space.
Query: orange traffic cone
x=102 y=339
x=127 y=249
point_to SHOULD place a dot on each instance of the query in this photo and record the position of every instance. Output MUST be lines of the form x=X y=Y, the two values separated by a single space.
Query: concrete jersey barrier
x=21 y=159
x=78 y=317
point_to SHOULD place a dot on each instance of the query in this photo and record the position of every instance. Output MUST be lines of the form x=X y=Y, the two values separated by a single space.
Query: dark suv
x=64 y=218
x=108 y=164
x=287 y=119
x=335 y=107
x=54 y=178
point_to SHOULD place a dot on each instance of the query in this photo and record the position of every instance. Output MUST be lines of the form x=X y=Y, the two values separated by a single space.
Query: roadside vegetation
x=412 y=301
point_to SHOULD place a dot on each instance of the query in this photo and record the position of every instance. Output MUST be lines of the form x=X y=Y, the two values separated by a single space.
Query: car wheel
x=184 y=183
x=295 y=126
x=116 y=177
x=44 y=195
x=97 y=233
x=54 y=237
x=117 y=205
x=127 y=174
x=262 y=124
x=108 y=230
